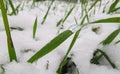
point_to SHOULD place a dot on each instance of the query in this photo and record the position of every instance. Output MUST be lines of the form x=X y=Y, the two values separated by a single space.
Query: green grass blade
x=73 y=42
x=96 y=58
x=45 y=17
x=111 y=37
x=113 y=5
x=11 y=50
x=86 y=13
x=69 y=49
x=12 y=6
x=35 y=28
x=108 y=20
x=93 y=5
x=117 y=42
x=116 y=9
x=67 y=15
x=108 y=59
x=17 y=8
x=61 y=22
x=83 y=20
x=51 y=45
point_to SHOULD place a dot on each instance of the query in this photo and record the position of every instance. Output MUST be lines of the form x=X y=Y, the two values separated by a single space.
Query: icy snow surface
x=82 y=52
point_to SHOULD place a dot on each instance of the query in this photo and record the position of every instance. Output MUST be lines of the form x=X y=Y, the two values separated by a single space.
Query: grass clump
x=97 y=57
x=45 y=17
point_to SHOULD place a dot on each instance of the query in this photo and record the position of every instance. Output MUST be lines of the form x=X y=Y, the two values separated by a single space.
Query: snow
x=21 y=68
x=81 y=53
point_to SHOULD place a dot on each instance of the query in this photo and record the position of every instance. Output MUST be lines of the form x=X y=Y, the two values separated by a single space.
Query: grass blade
x=116 y=9
x=16 y=10
x=96 y=58
x=12 y=6
x=67 y=15
x=108 y=20
x=113 y=5
x=108 y=59
x=117 y=42
x=45 y=17
x=93 y=5
x=11 y=50
x=35 y=28
x=61 y=22
x=51 y=45
x=111 y=37
x=69 y=49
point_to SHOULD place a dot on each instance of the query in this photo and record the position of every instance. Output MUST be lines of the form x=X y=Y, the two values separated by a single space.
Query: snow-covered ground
x=82 y=52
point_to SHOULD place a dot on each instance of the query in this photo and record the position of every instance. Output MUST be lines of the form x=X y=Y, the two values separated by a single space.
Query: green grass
x=68 y=51
x=45 y=17
x=113 y=7
x=111 y=37
x=62 y=21
x=93 y=5
x=11 y=49
x=108 y=20
x=51 y=45
x=96 y=58
x=59 y=39
x=12 y=7
x=35 y=28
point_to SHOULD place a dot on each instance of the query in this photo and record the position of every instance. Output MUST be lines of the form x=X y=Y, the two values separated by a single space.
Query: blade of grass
x=68 y=14
x=113 y=5
x=35 y=28
x=45 y=17
x=116 y=9
x=16 y=10
x=61 y=22
x=12 y=7
x=86 y=13
x=108 y=20
x=51 y=45
x=96 y=58
x=108 y=59
x=69 y=49
x=117 y=42
x=111 y=37
x=83 y=20
x=11 y=50
x=93 y=5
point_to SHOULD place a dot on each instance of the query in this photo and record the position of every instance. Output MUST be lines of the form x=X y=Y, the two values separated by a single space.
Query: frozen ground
x=82 y=52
